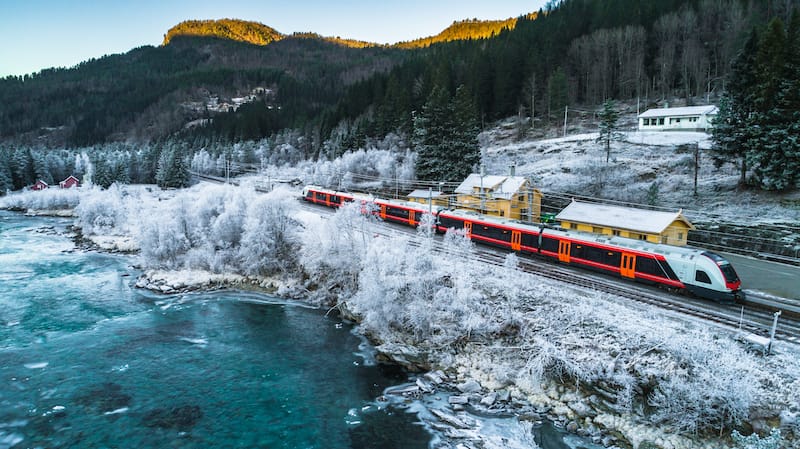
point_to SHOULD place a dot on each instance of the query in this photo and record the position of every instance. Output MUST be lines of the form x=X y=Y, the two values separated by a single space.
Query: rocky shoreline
x=585 y=411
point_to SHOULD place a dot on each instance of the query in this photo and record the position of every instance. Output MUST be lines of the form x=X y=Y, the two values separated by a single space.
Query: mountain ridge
x=257 y=33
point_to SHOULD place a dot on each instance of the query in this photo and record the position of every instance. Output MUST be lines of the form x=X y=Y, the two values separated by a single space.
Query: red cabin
x=40 y=185
x=70 y=182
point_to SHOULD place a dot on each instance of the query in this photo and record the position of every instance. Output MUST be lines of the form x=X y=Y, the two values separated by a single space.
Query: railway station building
x=670 y=228
x=509 y=196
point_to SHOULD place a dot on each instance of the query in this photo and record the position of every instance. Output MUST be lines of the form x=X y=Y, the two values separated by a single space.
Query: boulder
x=470 y=386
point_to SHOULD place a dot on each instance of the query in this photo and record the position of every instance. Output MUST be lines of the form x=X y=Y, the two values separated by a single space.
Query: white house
x=689 y=118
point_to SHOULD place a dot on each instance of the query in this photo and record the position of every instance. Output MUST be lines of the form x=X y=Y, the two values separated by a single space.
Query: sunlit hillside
x=237 y=30
x=466 y=30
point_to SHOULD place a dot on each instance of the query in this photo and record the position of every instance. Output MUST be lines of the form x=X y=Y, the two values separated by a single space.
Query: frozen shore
x=473 y=391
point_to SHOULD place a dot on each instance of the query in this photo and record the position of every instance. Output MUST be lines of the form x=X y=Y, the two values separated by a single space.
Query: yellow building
x=671 y=228
x=503 y=196
x=425 y=196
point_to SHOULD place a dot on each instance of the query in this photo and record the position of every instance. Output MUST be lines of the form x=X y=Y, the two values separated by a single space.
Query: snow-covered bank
x=628 y=376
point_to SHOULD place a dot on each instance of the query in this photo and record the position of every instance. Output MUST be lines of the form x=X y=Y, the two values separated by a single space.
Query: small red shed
x=70 y=182
x=40 y=185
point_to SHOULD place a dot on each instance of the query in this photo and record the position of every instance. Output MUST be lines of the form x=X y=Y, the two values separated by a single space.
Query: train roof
x=686 y=252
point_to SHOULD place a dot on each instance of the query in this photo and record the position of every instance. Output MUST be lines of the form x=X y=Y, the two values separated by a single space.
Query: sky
x=38 y=34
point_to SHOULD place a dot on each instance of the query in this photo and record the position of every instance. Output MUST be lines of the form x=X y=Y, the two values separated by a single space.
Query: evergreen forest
x=335 y=95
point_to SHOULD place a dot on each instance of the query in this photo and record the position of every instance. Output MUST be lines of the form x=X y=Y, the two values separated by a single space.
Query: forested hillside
x=572 y=54
x=147 y=93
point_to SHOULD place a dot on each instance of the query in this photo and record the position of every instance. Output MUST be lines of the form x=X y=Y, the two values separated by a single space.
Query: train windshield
x=724 y=266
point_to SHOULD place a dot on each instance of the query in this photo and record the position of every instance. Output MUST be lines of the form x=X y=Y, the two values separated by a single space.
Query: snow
x=642 y=220
x=679 y=112
x=498 y=186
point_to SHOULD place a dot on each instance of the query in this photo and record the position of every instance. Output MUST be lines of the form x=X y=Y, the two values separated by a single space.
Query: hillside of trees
x=574 y=54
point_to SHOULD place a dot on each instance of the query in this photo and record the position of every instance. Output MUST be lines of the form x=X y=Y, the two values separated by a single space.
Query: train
x=696 y=271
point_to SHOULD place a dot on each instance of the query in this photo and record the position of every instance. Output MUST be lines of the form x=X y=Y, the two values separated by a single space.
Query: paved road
x=769 y=277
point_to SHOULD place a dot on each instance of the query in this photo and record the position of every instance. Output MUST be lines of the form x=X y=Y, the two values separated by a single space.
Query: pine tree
x=6 y=183
x=609 y=128
x=445 y=136
x=465 y=153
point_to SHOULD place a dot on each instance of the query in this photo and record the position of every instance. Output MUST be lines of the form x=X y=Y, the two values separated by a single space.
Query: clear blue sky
x=37 y=34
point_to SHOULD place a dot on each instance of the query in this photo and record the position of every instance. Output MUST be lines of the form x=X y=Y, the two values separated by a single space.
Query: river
x=88 y=361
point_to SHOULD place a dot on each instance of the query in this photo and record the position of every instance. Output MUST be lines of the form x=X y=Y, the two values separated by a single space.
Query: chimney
x=512 y=170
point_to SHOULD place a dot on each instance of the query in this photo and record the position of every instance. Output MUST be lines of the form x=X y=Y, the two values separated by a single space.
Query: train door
x=383 y=212
x=627 y=267
x=468 y=229
x=563 y=250
x=411 y=217
x=516 y=240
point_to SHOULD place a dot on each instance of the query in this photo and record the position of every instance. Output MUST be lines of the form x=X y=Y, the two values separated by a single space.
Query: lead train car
x=695 y=270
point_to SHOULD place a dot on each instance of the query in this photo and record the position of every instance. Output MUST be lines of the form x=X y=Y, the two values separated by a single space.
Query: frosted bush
x=270 y=240
x=48 y=199
x=102 y=212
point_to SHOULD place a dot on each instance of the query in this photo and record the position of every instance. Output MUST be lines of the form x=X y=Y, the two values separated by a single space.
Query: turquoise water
x=86 y=361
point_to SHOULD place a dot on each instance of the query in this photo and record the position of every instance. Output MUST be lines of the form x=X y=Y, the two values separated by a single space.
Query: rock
x=503 y=396
x=572 y=427
x=404 y=390
x=470 y=386
x=489 y=399
x=435 y=377
x=458 y=400
x=582 y=409
x=424 y=386
x=450 y=419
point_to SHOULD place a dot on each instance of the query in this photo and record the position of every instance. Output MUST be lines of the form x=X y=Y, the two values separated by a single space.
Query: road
x=768 y=277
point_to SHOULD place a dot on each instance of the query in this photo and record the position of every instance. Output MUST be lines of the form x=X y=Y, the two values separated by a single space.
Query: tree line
x=758 y=125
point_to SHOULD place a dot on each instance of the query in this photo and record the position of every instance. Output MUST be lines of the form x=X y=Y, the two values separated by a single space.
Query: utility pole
x=483 y=197
x=530 y=199
x=565 y=120
x=696 y=165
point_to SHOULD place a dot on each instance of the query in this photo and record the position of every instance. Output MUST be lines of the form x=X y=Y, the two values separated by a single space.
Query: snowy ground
x=575 y=165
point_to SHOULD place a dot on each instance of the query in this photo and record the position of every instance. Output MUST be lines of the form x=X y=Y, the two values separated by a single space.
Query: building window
x=615 y=232
x=642 y=237
x=680 y=236
x=646 y=121
x=661 y=121
x=573 y=225
x=521 y=198
x=597 y=229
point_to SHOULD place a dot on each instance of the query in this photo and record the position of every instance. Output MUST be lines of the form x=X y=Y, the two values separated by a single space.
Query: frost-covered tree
x=270 y=241
x=609 y=127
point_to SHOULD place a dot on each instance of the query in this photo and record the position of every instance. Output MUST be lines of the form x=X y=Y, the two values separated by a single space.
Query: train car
x=702 y=273
x=697 y=271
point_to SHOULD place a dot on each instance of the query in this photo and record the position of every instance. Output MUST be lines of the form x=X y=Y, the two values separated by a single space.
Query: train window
x=702 y=276
x=309 y=194
x=549 y=244
x=647 y=266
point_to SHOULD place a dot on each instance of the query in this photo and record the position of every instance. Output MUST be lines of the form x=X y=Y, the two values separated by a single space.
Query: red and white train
x=694 y=270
